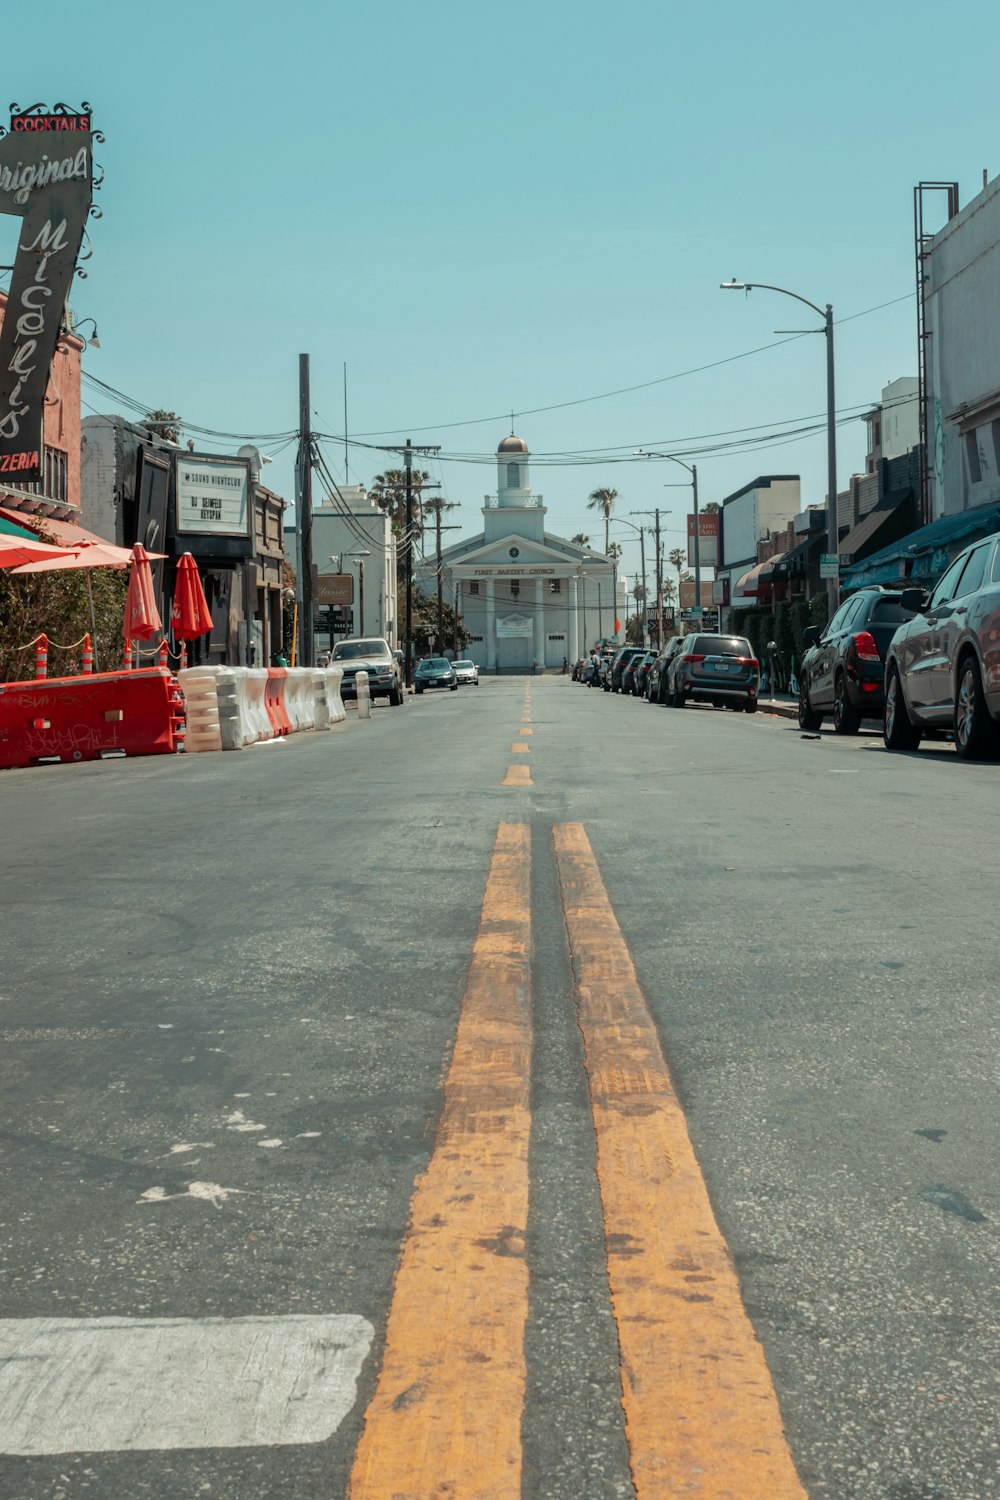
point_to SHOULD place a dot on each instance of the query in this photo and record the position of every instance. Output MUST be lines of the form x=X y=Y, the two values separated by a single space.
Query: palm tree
x=604 y=501
x=388 y=490
x=580 y=539
x=678 y=559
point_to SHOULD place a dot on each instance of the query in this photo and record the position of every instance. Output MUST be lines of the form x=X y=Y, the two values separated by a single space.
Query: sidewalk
x=784 y=705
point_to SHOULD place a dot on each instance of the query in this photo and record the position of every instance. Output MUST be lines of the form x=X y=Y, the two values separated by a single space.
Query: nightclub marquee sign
x=46 y=180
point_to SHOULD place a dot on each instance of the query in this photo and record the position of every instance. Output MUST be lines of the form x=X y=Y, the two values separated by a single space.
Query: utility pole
x=408 y=453
x=697 y=547
x=304 y=512
x=437 y=555
x=645 y=607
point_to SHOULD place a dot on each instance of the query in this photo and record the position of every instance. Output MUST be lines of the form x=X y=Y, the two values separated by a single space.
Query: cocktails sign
x=46 y=179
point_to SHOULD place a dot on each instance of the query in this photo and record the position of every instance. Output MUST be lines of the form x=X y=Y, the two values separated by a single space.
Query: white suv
x=369 y=654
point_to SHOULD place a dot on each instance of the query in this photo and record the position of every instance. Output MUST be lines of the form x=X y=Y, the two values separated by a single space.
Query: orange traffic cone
x=164 y=654
x=88 y=656
x=42 y=656
x=127 y=663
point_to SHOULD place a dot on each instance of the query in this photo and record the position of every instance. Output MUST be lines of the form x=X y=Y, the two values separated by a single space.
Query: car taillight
x=686 y=657
x=749 y=661
x=864 y=646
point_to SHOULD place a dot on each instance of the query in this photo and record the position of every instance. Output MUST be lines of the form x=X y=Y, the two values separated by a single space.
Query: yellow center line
x=525 y=731
x=518 y=776
x=445 y=1419
x=701 y=1412
x=518 y=749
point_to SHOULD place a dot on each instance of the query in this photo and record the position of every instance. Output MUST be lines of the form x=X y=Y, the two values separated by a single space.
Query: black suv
x=613 y=681
x=843 y=670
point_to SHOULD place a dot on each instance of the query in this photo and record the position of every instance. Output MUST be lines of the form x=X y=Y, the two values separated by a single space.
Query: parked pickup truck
x=369 y=654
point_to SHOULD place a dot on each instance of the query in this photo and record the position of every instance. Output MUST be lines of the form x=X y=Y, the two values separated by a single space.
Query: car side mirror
x=810 y=635
x=913 y=600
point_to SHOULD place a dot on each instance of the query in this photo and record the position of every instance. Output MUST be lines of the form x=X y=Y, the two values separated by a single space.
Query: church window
x=474 y=587
x=515 y=588
x=555 y=585
x=513 y=476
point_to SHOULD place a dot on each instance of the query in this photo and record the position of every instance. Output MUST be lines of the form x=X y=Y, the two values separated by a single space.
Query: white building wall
x=900 y=416
x=964 y=357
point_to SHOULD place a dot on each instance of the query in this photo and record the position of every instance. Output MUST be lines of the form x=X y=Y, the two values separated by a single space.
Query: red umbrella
x=142 y=618
x=16 y=550
x=190 y=616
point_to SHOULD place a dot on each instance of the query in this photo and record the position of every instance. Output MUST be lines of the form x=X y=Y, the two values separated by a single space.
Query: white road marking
x=238 y=1121
x=100 y=1385
x=207 y=1192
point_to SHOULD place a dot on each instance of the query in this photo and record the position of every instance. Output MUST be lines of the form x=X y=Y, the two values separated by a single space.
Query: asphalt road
x=234 y=987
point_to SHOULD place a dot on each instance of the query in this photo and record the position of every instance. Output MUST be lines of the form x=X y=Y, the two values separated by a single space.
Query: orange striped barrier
x=41 y=657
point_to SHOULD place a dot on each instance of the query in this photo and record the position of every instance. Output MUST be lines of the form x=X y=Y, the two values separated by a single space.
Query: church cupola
x=513 y=486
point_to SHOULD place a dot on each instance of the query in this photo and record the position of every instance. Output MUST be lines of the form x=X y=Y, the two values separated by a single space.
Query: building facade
x=530 y=600
x=352 y=537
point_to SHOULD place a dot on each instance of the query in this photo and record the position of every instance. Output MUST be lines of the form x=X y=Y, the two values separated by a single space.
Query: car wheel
x=846 y=718
x=973 y=726
x=751 y=708
x=454 y=687
x=897 y=731
x=418 y=691
x=395 y=698
x=809 y=719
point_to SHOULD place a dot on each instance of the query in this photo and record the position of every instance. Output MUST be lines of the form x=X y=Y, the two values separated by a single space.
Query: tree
x=425 y=626
x=581 y=540
x=678 y=559
x=163 y=424
x=669 y=590
x=388 y=490
x=711 y=508
x=603 y=501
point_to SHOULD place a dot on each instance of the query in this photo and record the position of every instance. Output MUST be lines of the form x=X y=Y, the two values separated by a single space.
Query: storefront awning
x=748 y=585
x=857 y=540
x=66 y=533
x=924 y=554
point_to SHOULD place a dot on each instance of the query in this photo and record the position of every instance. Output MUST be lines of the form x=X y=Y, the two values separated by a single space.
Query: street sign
x=696 y=612
x=829 y=565
x=335 y=588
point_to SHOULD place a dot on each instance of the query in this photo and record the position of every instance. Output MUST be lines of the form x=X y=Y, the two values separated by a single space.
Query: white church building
x=530 y=600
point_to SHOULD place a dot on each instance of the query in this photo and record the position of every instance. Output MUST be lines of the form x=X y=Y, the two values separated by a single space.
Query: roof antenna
x=512 y=424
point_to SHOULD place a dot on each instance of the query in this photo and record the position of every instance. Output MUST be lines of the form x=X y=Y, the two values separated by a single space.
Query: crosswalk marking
x=446 y=1415
x=701 y=1413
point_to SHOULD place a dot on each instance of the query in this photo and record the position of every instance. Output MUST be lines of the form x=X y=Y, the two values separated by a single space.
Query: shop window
x=972 y=458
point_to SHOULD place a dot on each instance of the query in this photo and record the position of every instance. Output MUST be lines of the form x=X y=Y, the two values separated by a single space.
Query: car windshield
x=890 y=612
x=436 y=663
x=465 y=664
x=350 y=650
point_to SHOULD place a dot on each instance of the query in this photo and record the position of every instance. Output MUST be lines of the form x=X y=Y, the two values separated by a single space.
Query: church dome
x=513 y=444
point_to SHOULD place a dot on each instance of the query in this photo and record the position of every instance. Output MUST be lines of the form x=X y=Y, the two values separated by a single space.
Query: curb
x=779 y=709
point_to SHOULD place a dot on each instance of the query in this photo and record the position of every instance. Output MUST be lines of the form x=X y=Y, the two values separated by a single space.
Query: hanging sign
x=46 y=180
x=212 y=495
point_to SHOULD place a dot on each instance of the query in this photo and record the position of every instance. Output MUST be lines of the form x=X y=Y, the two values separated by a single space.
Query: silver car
x=467 y=671
x=942 y=670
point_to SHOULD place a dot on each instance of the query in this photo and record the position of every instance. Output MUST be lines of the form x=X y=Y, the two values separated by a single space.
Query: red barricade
x=80 y=718
x=274 y=700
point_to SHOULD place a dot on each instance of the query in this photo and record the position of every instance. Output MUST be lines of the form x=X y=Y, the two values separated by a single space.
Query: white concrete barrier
x=364 y=696
x=255 y=721
x=299 y=703
x=201 y=708
x=334 y=678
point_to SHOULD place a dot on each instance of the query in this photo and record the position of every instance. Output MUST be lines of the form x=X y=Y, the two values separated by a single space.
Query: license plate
x=721 y=666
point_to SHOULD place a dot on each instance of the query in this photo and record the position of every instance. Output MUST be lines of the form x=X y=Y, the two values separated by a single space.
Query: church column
x=491 y=639
x=540 y=641
x=572 y=624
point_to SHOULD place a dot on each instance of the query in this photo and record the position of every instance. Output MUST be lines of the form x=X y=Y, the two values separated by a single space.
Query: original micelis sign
x=46 y=179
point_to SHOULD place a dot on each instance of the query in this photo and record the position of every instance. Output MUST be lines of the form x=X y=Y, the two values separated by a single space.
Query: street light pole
x=832 y=537
x=693 y=471
x=620 y=521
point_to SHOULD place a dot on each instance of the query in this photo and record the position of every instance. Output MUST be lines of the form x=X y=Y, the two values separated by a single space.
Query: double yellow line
x=701 y=1414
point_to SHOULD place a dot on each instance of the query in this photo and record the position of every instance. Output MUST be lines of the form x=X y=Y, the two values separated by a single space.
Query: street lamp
x=581 y=574
x=361 y=555
x=832 y=539
x=693 y=471
x=74 y=327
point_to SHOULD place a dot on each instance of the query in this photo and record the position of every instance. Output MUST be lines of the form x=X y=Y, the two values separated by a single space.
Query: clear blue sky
x=485 y=209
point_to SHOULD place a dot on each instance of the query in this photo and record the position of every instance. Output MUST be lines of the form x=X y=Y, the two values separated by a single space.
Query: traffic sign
x=829 y=565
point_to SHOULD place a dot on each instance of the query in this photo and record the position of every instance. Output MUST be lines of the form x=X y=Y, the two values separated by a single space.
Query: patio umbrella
x=87 y=554
x=16 y=550
x=190 y=616
x=142 y=618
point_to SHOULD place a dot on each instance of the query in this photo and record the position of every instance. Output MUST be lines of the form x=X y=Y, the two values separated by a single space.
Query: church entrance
x=514 y=654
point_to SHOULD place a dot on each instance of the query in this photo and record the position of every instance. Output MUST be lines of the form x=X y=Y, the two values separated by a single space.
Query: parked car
x=435 y=672
x=369 y=654
x=656 y=682
x=843 y=670
x=942 y=670
x=618 y=665
x=719 y=669
x=467 y=671
x=638 y=673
